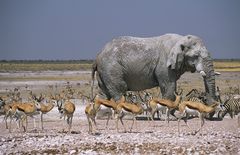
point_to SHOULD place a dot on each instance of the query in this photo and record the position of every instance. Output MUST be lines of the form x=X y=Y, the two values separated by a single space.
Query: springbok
x=123 y=108
x=67 y=110
x=201 y=108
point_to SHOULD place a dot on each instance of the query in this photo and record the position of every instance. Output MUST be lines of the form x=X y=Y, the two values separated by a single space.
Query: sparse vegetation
x=73 y=65
x=40 y=65
x=227 y=65
x=84 y=77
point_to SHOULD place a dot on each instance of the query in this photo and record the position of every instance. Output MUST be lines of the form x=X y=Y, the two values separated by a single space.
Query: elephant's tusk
x=217 y=73
x=203 y=73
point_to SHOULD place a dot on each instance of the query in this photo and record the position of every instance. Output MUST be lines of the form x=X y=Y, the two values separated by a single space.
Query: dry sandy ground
x=216 y=137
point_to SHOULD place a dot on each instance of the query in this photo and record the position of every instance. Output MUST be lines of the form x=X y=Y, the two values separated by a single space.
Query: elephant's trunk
x=209 y=79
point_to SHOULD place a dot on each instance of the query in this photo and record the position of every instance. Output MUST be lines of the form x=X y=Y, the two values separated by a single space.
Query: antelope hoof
x=194 y=132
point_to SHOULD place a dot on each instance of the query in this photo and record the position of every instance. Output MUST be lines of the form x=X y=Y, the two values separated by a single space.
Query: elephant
x=133 y=64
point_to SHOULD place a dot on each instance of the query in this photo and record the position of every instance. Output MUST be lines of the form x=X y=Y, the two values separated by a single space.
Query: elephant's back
x=124 y=45
x=125 y=50
x=128 y=47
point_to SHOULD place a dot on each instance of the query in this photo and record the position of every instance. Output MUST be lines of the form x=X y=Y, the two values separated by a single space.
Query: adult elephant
x=130 y=63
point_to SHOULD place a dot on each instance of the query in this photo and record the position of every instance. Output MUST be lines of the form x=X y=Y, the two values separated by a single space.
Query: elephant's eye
x=187 y=48
x=195 y=57
x=192 y=58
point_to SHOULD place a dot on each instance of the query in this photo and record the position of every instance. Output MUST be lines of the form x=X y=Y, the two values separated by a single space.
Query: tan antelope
x=111 y=104
x=7 y=102
x=92 y=109
x=5 y=110
x=23 y=110
x=124 y=107
x=45 y=108
x=91 y=113
x=201 y=108
x=169 y=104
x=67 y=110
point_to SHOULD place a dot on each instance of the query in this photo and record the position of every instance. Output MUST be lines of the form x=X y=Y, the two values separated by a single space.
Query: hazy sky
x=57 y=29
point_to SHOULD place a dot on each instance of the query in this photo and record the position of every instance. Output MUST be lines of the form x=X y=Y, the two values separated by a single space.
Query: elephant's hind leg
x=104 y=91
x=116 y=89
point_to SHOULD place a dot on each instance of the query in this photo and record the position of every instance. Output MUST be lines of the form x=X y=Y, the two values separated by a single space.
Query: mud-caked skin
x=134 y=64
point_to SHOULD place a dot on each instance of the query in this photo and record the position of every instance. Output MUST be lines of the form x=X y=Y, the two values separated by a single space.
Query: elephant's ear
x=176 y=56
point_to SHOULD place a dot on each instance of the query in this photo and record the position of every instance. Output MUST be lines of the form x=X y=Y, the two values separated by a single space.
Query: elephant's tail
x=94 y=69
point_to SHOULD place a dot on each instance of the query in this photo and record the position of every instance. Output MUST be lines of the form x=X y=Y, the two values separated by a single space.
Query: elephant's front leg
x=168 y=90
x=171 y=88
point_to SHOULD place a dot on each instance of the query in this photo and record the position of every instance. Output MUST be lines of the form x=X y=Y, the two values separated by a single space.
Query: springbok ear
x=176 y=57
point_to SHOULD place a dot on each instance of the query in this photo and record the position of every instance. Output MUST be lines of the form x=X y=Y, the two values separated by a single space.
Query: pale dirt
x=216 y=137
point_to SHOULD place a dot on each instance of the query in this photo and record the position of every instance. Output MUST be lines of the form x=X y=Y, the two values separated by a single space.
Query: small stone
x=222 y=150
x=3 y=146
x=73 y=151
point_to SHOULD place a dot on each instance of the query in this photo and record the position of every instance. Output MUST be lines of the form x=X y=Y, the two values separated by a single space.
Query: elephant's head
x=190 y=54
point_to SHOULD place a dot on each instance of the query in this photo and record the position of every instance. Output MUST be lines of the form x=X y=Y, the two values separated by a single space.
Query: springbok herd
x=132 y=103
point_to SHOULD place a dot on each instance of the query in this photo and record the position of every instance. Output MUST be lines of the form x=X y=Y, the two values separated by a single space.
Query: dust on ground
x=216 y=137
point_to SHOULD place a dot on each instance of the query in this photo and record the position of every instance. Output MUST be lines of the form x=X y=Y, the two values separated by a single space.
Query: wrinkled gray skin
x=135 y=64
